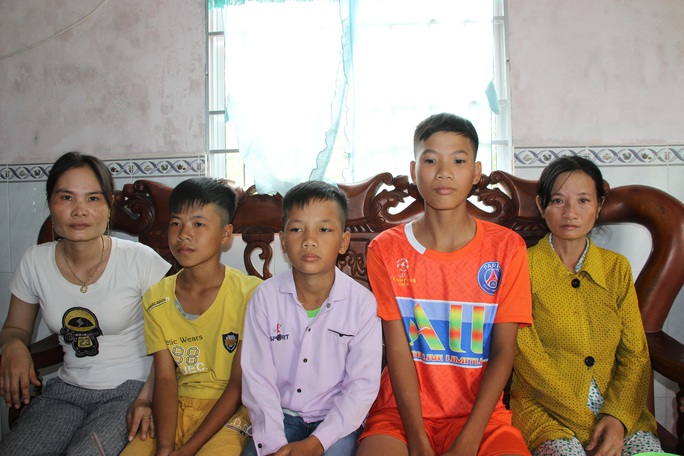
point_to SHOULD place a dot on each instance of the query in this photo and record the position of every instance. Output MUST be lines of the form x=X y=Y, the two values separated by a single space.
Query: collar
x=336 y=293
x=580 y=262
x=592 y=267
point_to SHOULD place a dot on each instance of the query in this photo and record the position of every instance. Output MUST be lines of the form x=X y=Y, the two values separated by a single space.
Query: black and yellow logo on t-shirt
x=81 y=329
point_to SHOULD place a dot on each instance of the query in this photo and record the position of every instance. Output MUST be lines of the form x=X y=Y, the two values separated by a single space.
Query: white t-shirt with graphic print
x=101 y=331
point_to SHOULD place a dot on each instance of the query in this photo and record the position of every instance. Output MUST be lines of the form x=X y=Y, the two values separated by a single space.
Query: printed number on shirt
x=187 y=360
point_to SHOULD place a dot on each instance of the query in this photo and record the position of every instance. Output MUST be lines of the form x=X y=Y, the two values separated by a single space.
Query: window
x=407 y=59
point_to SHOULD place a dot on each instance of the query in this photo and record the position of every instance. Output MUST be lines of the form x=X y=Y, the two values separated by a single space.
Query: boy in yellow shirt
x=193 y=326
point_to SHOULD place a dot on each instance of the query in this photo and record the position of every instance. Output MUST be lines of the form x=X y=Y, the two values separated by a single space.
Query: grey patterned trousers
x=62 y=420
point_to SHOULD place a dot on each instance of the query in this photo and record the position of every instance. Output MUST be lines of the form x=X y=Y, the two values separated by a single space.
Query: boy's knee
x=346 y=446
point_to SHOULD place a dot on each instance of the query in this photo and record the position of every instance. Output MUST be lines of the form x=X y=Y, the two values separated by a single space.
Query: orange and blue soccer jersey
x=448 y=303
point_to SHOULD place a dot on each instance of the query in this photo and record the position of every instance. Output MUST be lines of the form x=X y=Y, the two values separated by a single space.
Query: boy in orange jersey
x=452 y=291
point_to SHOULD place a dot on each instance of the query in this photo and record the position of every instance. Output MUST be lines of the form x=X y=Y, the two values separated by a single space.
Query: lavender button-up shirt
x=324 y=369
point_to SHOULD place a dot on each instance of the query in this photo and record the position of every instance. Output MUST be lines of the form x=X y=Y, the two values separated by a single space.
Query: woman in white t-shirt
x=88 y=287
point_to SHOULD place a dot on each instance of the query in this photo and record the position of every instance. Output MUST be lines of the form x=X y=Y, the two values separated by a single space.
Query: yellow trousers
x=228 y=441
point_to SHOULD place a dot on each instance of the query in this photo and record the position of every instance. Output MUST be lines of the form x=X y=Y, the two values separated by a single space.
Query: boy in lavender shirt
x=312 y=345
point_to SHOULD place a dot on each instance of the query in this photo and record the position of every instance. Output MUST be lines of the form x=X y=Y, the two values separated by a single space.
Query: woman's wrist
x=11 y=342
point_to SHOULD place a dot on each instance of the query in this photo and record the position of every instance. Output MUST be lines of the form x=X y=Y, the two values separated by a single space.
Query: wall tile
x=27 y=212
x=661 y=411
x=659 y=385
x=233 y=256
x=674 y=325
x=614 y=237
x=604 y=156
x=5 y=278
x=528 y=173
x=670 y=422
x=655 y=176
x=5 y=264
x=279 y=258
x=675 y=181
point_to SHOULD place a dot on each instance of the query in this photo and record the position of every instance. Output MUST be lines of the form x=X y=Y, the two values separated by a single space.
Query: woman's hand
x=17 y=374
x=139 y=414
x=608 y=437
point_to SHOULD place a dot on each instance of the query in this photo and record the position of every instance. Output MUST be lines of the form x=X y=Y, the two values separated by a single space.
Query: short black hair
x=446 y=122
x=72 y=160
x=563 y=165
x=307 y=192
x=200 y=191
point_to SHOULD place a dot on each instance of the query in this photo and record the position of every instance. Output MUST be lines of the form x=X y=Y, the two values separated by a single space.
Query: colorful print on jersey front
x=444 y=332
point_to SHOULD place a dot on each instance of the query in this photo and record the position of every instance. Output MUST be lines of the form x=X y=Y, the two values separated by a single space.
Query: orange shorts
x=500 y=436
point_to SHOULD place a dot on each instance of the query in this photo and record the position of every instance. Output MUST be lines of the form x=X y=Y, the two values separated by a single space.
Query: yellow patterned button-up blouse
x=586 y=325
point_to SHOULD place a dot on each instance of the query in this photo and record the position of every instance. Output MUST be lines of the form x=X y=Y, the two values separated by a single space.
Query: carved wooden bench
x=385 y=201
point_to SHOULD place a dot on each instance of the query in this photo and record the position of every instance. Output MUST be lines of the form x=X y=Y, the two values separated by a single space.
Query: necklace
x=84 y=283
x=580 y=262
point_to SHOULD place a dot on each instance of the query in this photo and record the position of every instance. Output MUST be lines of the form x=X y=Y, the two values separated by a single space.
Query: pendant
x=84 y=288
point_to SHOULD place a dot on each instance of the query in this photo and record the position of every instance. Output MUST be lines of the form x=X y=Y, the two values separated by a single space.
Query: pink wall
x=128 y=80
x=588 y=72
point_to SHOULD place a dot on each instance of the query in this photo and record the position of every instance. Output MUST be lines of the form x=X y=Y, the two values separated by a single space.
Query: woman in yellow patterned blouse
x=582 y=369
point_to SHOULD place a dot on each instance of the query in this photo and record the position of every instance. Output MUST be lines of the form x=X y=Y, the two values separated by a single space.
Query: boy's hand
x=139 y=416
x=422 y=449
x=608 y=437
x=463 y=446
x=164 y=452
x=182 y=451
x=310 y=446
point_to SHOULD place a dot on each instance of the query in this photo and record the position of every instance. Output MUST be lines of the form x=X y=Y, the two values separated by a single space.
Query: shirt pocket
x=339 y=339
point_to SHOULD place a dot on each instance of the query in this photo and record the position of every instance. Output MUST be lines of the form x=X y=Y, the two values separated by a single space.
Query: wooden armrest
x=46 y=352
x=667 y=356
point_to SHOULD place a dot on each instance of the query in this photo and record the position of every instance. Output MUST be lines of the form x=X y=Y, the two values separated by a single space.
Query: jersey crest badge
x=489 y=277
x=402 y=267
x=230 y=341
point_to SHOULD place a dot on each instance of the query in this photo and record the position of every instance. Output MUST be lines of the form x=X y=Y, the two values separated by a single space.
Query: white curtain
x=332 y=89
x=285 y=78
